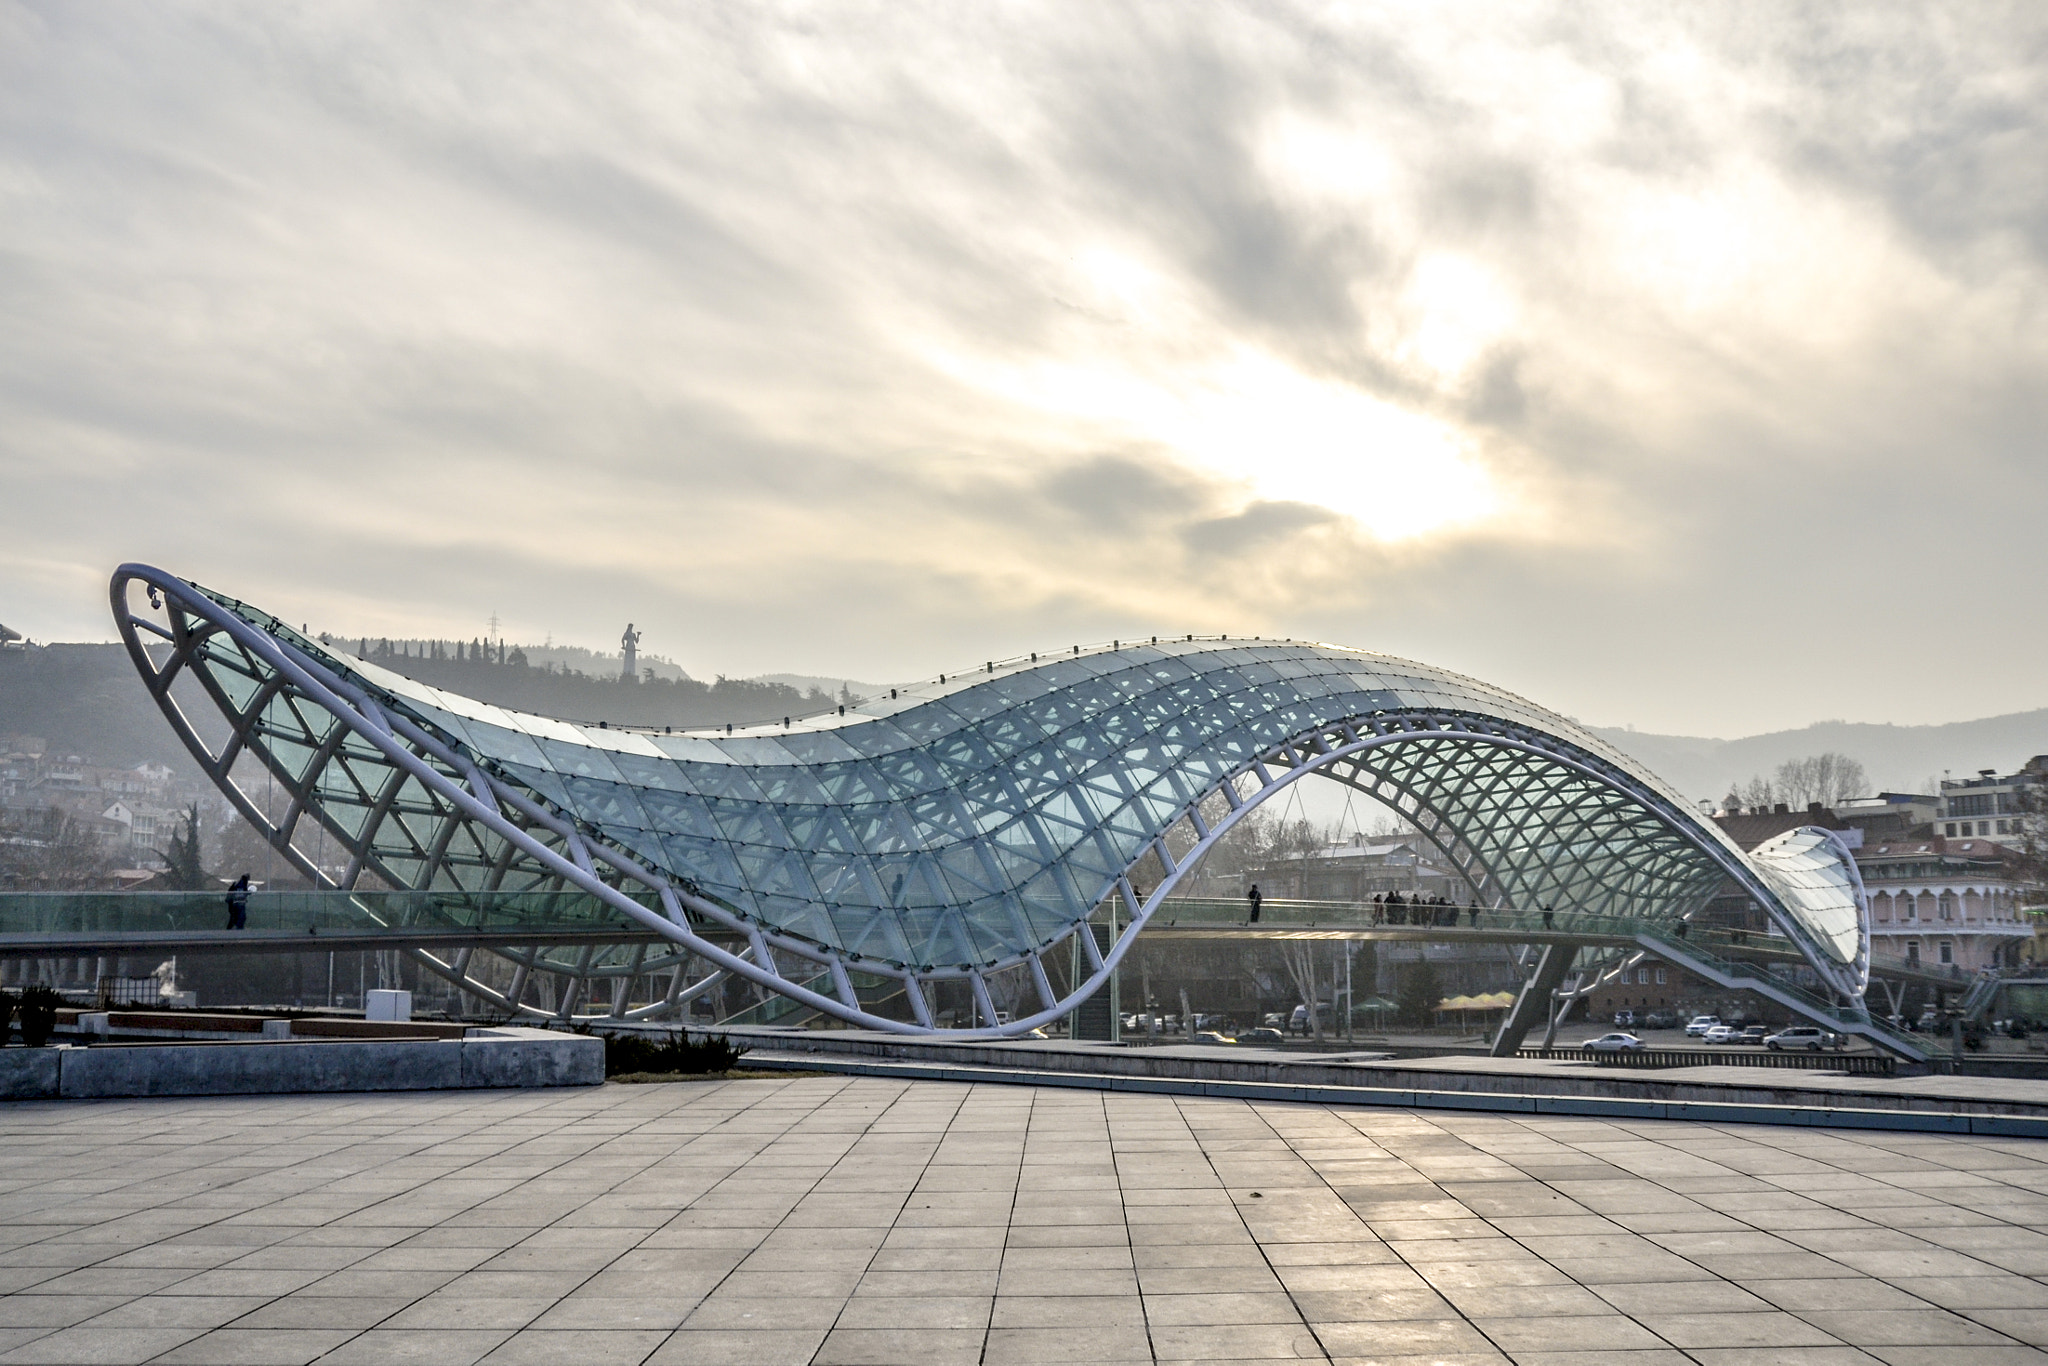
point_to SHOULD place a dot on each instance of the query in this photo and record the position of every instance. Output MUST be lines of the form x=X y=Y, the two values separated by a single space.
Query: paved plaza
x=862 y=1220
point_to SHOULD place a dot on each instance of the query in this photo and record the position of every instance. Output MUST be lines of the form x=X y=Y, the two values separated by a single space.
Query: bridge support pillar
x=1533 y=1006
x=1100 y=1017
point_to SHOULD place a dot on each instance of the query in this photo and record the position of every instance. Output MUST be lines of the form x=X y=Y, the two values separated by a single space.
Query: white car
x=1700 y=1025
x=1805 y=1036
x=1616 y=1042
x=1721 y=1033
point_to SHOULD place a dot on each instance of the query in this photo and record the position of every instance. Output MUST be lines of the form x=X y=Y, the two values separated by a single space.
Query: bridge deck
x=1229 y=918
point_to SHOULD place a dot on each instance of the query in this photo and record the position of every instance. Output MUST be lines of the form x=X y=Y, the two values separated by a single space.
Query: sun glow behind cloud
x=1257 y=424
x=1403 y=326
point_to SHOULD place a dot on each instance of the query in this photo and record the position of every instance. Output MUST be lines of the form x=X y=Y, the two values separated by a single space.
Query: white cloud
x=1547 y=341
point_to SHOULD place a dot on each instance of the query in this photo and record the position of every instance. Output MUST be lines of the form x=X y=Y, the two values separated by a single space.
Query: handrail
x=24 y=913
x=1278 y=912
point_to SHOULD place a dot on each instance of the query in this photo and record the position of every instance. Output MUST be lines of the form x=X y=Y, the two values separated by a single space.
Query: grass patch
x=665 y=1058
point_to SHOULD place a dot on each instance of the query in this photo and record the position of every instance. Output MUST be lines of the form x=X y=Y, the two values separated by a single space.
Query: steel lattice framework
x=952 y=831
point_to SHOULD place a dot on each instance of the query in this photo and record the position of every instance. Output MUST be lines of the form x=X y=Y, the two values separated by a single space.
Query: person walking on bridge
x=1256 y=900
x=238 y=904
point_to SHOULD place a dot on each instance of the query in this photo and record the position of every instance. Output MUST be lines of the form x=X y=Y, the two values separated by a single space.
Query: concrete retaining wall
x=509 y=1057
x=1516 y=1077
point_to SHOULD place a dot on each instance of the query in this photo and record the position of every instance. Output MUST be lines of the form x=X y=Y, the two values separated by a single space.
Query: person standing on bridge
x=238 y=904
x=1256 y=900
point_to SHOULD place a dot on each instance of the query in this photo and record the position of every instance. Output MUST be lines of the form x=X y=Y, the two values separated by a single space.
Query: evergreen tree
x=184 y=872
x=1417 y=993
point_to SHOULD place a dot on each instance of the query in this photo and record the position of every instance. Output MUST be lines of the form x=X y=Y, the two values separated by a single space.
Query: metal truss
x=1122 y=767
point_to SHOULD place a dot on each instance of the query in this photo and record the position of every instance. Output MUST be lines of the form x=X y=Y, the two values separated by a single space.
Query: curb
x=1586 y=1107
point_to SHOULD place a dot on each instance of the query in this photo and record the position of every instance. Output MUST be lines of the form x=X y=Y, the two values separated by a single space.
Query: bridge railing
x=1719 y=940
x=1852 y=1019
x=59 y=913
x=1564 y=924
x=1853 y=1064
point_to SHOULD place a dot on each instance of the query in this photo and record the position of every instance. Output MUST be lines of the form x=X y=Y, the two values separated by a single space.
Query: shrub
x=676 y=1054
x=38 y=1011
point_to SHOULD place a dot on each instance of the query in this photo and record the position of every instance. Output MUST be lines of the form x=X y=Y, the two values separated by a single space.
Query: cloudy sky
x=1682 y=366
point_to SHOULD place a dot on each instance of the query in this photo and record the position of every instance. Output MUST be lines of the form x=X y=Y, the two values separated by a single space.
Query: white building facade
x=1947 y=902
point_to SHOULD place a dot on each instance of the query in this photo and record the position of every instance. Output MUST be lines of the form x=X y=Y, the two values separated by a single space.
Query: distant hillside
x=576 y=696
x=569 y=658
x=86 y=700
x=1897 y=758
x=829 y=686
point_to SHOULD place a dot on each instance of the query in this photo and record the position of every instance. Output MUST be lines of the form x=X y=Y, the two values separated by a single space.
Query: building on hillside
x=1945 y=902
x=1988 y=806
x=1654 y=984
x=1361 y=868
x=1890 y=815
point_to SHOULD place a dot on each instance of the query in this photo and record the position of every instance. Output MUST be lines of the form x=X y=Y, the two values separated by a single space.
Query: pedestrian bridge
x=957 y=835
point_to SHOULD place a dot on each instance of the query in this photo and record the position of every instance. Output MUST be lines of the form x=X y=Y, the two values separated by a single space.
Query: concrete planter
x=489 y=1058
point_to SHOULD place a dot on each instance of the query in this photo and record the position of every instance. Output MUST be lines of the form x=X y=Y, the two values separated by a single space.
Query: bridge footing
x=1533 y=1005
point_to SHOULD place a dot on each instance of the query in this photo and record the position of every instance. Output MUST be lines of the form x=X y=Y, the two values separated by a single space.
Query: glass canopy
x=971 y=821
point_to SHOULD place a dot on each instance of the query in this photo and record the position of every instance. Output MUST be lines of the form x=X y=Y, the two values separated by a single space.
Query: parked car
x=1753 y=1034
x=1805 y=1036
x=1721 y=1033
x=1700 y=1025
x=1616 y=1042
x=1624 y=1019
x=1298 y=1022
x=1660 y=1019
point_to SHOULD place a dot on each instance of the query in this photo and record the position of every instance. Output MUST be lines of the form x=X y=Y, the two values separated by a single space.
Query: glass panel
x=976 y=811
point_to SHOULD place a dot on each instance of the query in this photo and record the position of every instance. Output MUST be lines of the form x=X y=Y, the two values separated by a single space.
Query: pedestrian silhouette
x=238 y=904
x=1549 y=918
x=1256 y=900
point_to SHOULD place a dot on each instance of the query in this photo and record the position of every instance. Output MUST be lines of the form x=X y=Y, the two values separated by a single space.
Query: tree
x=183 y=872
x=48 y=850
x=2028 y=863
x=1825 y=778
x=1300 y=957
x=1758 y=794
x=1417 y=993
x=1258 y=841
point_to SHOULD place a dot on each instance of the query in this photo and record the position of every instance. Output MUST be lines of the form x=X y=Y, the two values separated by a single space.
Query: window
x=2005 y=827
x=1948 y=952
x=1912 y=950
x=1948 y=906
x=1660 y=977
x=1949 y=829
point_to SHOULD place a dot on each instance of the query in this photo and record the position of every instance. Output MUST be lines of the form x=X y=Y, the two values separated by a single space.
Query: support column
x=1533 y=1005
x=1099 y=1017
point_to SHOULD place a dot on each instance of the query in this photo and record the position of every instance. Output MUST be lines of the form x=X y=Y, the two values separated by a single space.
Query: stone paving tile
x=837 y=1221
x=257 y=1347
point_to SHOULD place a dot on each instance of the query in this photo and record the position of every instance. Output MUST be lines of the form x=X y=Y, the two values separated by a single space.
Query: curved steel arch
x=958 y=828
